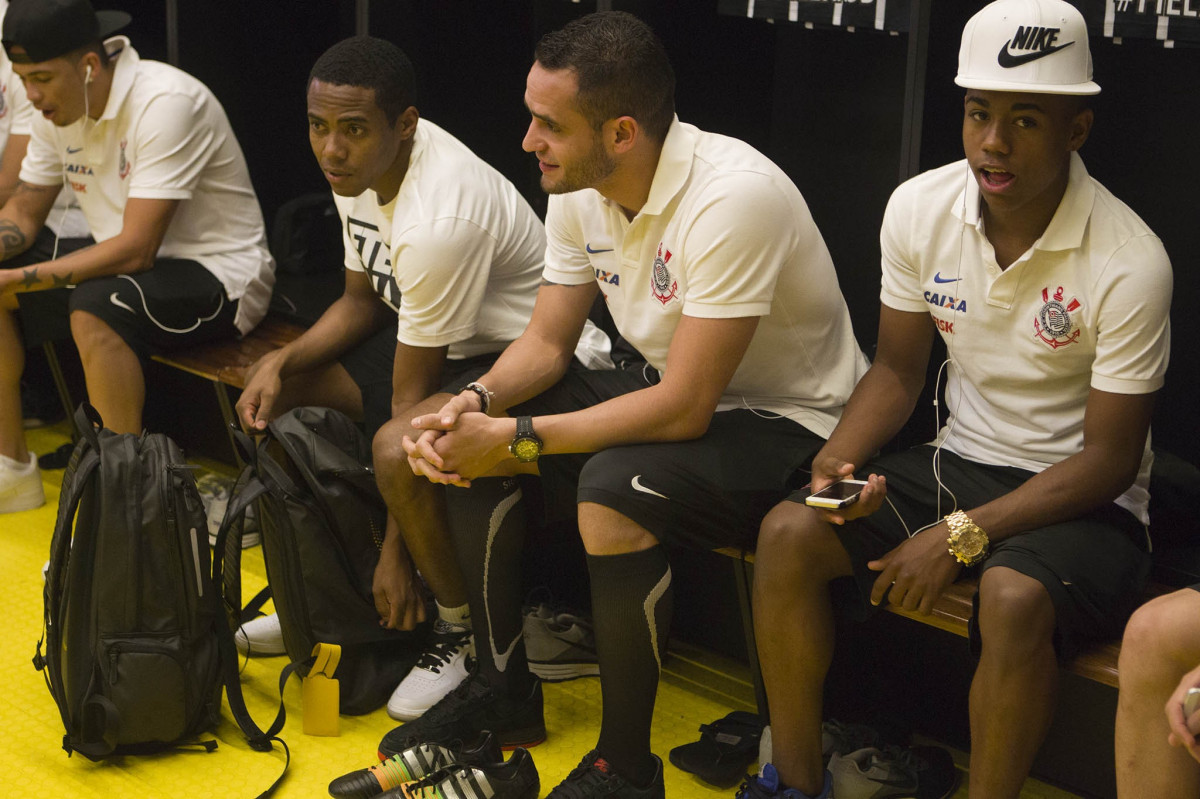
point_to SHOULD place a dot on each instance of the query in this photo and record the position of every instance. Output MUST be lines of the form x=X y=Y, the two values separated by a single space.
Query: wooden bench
x=951 y=613
x=225 y=363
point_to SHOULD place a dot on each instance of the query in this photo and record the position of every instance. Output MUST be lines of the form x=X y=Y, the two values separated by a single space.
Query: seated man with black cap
x=180 y=254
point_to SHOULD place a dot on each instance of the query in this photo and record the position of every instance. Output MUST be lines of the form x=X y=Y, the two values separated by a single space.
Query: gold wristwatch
x=968 y=543
x=525 y=446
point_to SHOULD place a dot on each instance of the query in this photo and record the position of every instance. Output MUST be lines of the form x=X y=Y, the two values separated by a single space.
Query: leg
x=115 y=383
x=1161 y=644
x=12 y=364
x=418 y=508
x=797 y=557
x=1015 y=685
x=631 y=606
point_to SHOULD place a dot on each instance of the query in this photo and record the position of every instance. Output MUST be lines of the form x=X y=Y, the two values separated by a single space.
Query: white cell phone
x=1191 y=702
x=841 y=494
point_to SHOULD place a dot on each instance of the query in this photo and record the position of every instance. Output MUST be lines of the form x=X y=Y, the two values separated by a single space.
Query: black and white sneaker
x=595 y=777
x=515 y=779
x=413 y=764
x=920 y=772
x=468 y=710
x=441 y=668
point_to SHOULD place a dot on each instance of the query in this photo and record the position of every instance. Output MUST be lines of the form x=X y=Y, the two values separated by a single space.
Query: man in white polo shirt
x=442 y=260
x=180 y=254
x=713 y=269
x=1052 y=298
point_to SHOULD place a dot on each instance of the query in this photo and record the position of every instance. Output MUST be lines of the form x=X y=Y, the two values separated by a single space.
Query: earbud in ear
x=87 y=76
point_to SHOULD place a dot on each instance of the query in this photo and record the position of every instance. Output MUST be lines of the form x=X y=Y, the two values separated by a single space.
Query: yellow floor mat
x=32 y=730
x=38 y=767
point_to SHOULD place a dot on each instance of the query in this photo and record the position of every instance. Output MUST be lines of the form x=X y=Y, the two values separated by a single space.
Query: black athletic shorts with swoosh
x=709 y=492
x=176 y=303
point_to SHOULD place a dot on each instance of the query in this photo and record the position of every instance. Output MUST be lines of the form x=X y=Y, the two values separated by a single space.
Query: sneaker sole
x=561 y=672
x=23 y=500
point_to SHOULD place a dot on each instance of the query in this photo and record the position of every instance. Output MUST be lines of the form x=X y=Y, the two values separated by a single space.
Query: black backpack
x=322 y=519
x=137 y=646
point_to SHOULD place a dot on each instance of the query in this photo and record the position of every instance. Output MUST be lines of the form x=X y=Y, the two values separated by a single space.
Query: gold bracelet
x=968 y=542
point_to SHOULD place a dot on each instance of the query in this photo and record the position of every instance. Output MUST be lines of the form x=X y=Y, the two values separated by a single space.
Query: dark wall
x=825 y=104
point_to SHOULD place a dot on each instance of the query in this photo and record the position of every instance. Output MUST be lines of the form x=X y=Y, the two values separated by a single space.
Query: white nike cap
x=1026 y=46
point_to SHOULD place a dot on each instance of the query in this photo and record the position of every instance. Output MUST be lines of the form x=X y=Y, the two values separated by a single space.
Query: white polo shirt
x=66 y=220
x=457 y=253
x=1086 y=307
x=724 y=234
x=163 y=135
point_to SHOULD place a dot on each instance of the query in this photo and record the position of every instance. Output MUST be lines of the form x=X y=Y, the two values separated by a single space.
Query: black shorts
x=710 y=492
x=370 y=365
x=176 y=303
x=1095 y=567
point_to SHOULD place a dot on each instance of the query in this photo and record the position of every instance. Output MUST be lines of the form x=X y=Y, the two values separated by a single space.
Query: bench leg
x=60 y=382
x=229 y=419
x=743 y=574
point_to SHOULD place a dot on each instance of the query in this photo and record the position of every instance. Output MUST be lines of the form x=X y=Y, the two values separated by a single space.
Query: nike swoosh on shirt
x=1008 y=60
x=939 y=279
x=73 y=150
x=636 y=482
x=588 y=247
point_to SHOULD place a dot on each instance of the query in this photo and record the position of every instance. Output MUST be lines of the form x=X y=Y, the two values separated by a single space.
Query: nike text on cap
x=47 y=29
x=1036 y=46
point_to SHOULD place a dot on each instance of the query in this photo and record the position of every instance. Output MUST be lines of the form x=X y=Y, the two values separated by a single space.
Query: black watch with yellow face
x=525 y=446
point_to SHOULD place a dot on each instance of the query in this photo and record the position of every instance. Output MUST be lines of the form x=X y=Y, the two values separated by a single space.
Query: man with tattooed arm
x=180 y=254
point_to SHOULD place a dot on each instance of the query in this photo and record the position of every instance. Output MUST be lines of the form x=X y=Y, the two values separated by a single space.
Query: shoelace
x=446 y=643
x=582 y=777
x=470 y=691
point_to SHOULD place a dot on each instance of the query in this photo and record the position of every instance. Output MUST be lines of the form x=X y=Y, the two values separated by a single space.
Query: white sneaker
x=20 y=485
x=260 y=636
x=439 y=670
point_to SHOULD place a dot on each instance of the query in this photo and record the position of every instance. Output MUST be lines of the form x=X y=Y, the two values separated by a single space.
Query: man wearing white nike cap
x=1052 y=298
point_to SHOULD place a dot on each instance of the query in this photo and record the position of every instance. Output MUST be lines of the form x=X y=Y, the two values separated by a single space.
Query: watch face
x=526 y=449
x=972 y=542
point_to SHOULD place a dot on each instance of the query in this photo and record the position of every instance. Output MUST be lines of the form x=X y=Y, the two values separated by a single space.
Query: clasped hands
x=458 y=443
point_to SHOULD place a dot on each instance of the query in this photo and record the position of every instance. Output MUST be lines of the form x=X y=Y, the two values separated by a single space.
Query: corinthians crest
x=1053 y=323
x=123 y=165
x=662 y=285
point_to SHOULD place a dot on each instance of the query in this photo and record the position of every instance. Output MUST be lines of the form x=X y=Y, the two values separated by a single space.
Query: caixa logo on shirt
x=1053 y=324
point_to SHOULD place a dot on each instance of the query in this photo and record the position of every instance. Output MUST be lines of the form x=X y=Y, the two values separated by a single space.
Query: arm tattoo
x=12 y=240
x=31 y=278
x=60 y=282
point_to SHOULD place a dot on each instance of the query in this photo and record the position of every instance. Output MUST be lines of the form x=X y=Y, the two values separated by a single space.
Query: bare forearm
x=880 y=405
x=1070 y=488
x=347 y=322
x=526 y=368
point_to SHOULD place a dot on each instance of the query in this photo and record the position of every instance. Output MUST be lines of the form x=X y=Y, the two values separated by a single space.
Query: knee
x=1014 y=608
x=1158 y=641
x=387 y=451
x=92 y=334
x=606 y=531
x=793 y=540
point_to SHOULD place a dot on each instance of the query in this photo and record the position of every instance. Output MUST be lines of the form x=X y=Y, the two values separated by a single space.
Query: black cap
x=47 y=29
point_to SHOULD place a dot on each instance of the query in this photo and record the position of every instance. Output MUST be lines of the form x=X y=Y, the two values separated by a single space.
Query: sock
x=632 y=604
x=487 y=525
x=459 y=616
